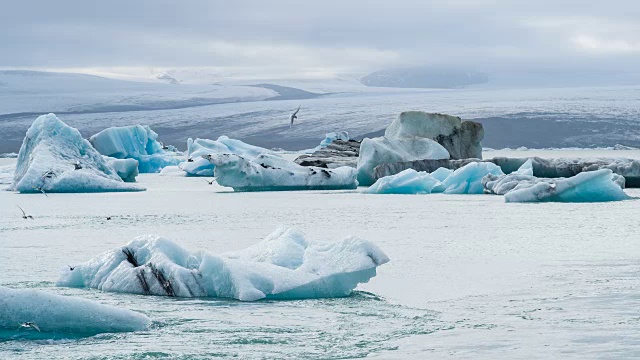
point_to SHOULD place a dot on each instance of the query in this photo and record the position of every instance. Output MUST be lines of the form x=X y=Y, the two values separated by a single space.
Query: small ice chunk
x=468 y=179
x=406 y=182
x=525 y=169
x=283 y=266
x=57 y=317
x=127 y=169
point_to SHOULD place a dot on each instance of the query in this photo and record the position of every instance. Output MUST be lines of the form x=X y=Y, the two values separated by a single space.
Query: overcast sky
x=324 y=36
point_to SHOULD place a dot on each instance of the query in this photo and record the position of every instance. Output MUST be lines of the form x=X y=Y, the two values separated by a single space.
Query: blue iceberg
x=127 y=169
x=406 y=182
x=273 y=173
x=468 y=179
x=333 y=136
x=283 y=266
x=55 y=158
x=134 y=142
x=31 y=314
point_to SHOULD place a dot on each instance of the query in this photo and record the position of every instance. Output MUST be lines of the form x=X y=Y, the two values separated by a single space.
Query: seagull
x=49 y=174
x=71 y=268
x=40 y=189
x=24 y=215
x=28 y=325
x=210 y=182
x=164 y=147
x=293 y=116
x=77 y=165
x=108 y=217
x=189 y=160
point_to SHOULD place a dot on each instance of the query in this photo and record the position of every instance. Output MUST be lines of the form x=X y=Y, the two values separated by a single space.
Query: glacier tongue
x=59 y=317
x=55 y=158
x=273 y=173
x=283 y=266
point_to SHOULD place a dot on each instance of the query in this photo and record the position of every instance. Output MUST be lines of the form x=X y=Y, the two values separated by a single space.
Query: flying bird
x=210 y=182
x=28 y=325
x=71 y=268
x=49 y=174
x=40 y=189
x=24 y=215
x=293 y=116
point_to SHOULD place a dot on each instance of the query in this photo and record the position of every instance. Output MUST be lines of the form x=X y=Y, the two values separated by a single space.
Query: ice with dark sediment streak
x=273 y=173
x=134 y=142
x=283 y=266
x=590 y=186
x=55 y=158
x=61 y=317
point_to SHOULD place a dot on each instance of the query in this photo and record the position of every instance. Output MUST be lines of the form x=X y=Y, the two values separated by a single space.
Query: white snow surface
x=59 y=317
x=47 y=161
x=137 y=142
x=380 y=150
x=269 y=172
x=283 y=266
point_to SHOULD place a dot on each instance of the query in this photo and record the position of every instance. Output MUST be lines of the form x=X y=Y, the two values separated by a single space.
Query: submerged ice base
x=273 y=173
x=283 y=266
x=49 y=159
x=61 y=317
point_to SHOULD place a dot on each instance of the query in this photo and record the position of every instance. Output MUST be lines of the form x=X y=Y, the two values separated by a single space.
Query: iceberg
x=127 y=169
x=441 y=174
x=55 y=158
x=283 y=266
x=199 y=148
x=381 y=150
x=591 y=186
x=338 y=153
x=61 y=317
x=460 y=138
x=406 y=182
x=333 y=136
x=468 y=179
x=273 y=173
x=134 y=142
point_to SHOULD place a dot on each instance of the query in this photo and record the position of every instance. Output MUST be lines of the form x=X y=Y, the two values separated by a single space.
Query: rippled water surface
x=469 y=277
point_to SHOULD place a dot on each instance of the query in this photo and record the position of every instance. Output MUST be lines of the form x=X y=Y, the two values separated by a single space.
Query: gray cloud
x=491 y=35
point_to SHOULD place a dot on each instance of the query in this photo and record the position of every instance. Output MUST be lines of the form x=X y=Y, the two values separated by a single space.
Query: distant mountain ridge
x=424 y=77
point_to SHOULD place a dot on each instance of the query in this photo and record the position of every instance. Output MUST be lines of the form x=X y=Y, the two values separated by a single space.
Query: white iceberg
x=127 y=169
x=199 y=148
x=55 y=158
x=590 y=186
x=381 y=150
x=283 y=266
x=134 y=142
x=272 y=173
x=406 y=182
x=56 y=317
x=468 y=179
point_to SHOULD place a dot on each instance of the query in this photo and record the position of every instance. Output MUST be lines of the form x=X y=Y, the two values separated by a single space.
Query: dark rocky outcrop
x=338 y=153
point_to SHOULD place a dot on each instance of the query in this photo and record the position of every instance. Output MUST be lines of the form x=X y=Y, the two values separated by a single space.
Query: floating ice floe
x=55 y=158
x=591 y=186
x=406 y=182
x=272 y=173
x=127 y=169
x=381 y=150
x=31 y=314
x=198 y=148
x=468 y=179
x=283 y=266
x=134 y=142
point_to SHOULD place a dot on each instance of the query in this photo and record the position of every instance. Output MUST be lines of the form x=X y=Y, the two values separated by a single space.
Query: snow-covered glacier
x=285 y=265
x=57 y=317
x=406 y=182
x=134 y=142
x=273 y=173
x=55 y=158
x=591 y=186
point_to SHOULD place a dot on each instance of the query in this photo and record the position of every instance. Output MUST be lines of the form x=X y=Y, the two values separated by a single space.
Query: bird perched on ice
x=77 y=165
x=293 y=116
x=24 y=215
x=29 y=325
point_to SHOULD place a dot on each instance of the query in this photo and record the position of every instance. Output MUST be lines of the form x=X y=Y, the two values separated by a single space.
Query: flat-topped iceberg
x=283 y=266
x=134 y=142
x=591 y=186
x=198 y=148
x=406 y=182
x=272 y=173
x=58 y=317
x=55 y=158
x=381 y=150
